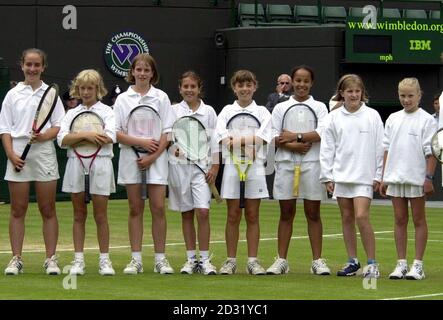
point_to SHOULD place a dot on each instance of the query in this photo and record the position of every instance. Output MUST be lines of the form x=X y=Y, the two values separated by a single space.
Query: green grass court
x=298 y=284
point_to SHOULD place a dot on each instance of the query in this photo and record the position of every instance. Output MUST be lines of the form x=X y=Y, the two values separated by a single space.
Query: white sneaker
x=190 y=266
x=228 y=267
x=134 y=267
x=255 y=268
x=400 y=271
x=280 y=266
x=320 y=267
x=105 y=267
x=163 y=267
x=77 y=268
x=371 y=271
x=15 y=266
x=207 y=268
x=51 y=266
x=416 y=272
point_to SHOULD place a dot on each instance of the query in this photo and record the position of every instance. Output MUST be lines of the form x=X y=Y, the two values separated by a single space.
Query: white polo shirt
x=260 y=112
x=155 y=98
x=102 y=110
x=19 y=107
x=277 y=127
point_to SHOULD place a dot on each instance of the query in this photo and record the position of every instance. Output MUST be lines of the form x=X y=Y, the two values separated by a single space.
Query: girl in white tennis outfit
x=189 y=191
x=144 y=75
x=311 y=190
x=89 y=87
x=16 y=118
x=351 y=159
x=408 y=174
x=244 y=84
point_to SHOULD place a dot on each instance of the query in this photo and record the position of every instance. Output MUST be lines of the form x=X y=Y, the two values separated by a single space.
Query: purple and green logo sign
x=121 y=49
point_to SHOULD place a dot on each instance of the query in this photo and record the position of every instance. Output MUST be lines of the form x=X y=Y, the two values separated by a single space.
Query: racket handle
x=87 y=194
x=24 y=154
x=296 y=181
x=144 y=191
x=242 y=195
x=215 y=193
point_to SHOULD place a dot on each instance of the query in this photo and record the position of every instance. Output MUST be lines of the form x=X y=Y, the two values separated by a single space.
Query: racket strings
x=192 y=139
x=46 y=106
x=143 y=125
x=243 y=126
x=87 y=122
x=437 y=145
x=144 y=122
x=300 y=119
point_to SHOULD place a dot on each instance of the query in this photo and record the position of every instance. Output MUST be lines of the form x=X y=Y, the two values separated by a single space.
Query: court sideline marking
x=415 y=297
x=333 y=235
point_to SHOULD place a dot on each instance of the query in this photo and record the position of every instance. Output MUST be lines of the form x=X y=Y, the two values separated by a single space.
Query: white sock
x=232 y=259
x=252 y=259
x=419 y=262
x=79 y=256
x=104 y=256
x=204 y=255
x=159 y=256
x=402 y=261
x=137 y=256
x=191 y=254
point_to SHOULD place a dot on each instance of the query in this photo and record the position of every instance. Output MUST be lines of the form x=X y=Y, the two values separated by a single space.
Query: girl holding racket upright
x=408 y=174
x=351 y=159
x=189 y=190
x=32 y=100
x=89 y=125
x=153 y=163
x=297 y=126
x=243 y=128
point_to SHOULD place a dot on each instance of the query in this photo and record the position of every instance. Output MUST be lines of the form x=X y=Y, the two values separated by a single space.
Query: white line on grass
x=415 y=297
x=412 y=240
x=333 y=235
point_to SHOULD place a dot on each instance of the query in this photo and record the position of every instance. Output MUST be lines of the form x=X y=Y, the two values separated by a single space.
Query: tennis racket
x=299 y=118
x=42 y=114
x=144 y=122
x=437 y=145
x=86 y=151
x=242 y=125
x=191 y=138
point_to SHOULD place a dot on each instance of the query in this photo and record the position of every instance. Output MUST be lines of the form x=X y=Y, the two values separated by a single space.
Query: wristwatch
x=430 y=177
x=299 y=137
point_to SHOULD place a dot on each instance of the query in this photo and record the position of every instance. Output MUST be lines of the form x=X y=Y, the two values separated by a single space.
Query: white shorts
x=352 y=190
x=129 y=173
x=101 y=176
x=310 y=187
x=256 y=187
x=405 y=191
x=187 y=188
x=40 y=164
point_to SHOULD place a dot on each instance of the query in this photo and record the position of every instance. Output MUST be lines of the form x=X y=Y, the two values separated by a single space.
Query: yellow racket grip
x=215 y=193
x=296 y=181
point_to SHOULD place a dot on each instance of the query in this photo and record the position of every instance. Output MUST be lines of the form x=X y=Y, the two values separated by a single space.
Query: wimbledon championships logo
x=121 y=50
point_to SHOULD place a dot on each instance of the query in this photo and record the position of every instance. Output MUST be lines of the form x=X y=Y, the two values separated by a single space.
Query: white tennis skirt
x=40 y=164
x=352 y=190
x=101 y=176
x=405 y=191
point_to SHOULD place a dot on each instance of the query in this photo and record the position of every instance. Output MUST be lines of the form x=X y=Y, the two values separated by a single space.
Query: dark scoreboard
x=402 y=41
